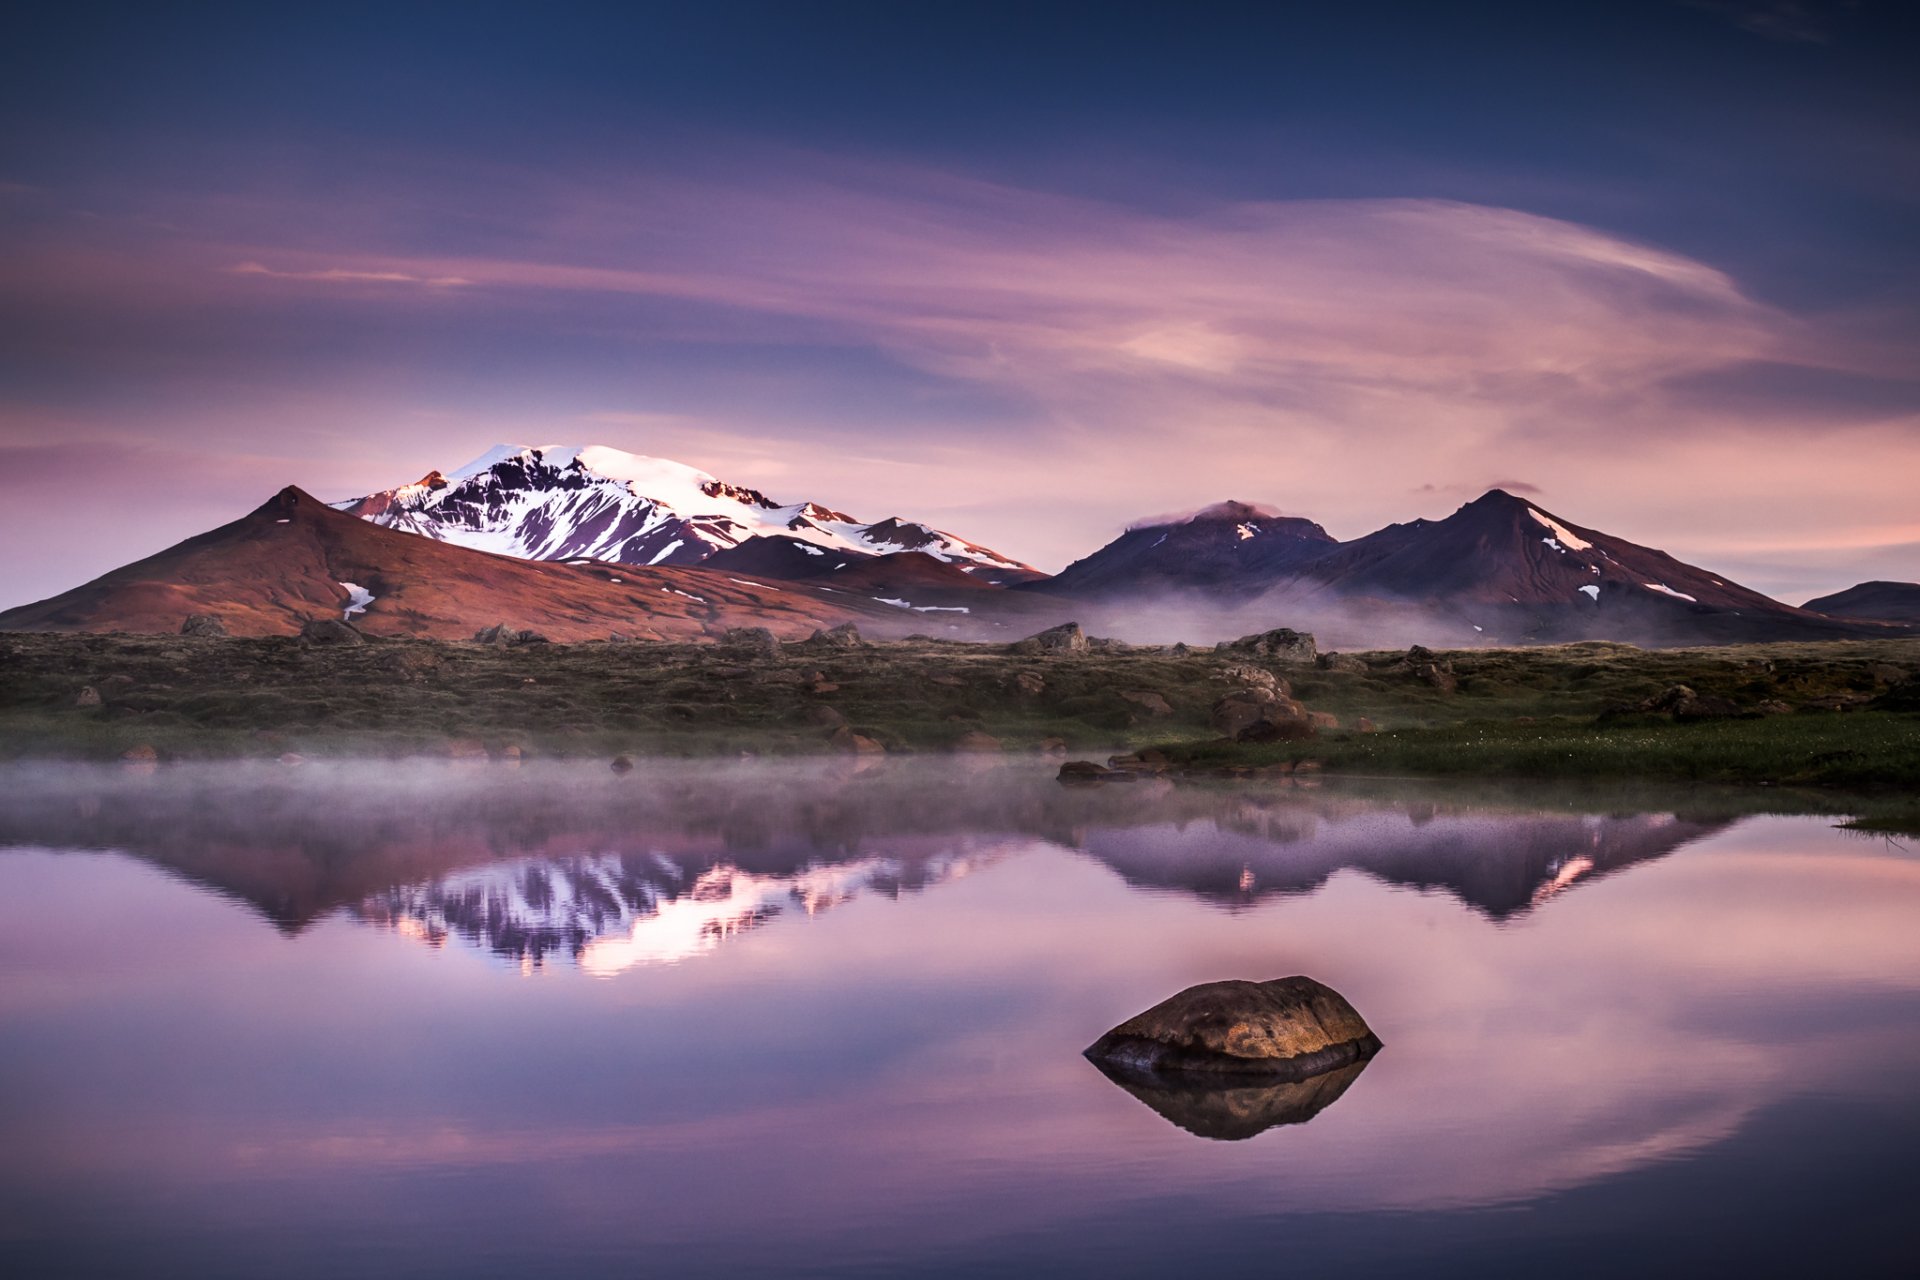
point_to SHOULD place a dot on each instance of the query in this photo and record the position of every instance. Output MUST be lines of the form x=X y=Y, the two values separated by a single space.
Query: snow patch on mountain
x=591 y=502
x=1567 y=539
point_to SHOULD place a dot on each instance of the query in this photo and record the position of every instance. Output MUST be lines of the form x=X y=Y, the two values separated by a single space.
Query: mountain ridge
x=594 y=502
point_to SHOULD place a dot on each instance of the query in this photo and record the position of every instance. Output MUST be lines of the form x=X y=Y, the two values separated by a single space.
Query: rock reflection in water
x=1233 y=1112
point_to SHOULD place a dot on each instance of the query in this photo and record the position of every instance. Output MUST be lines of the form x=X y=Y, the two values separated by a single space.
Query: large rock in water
x=1286 y=1029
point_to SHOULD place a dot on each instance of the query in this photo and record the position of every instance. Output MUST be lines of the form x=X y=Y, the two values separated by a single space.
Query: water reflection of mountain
x=570 y=860
x=610 y=912
x=1500 y=863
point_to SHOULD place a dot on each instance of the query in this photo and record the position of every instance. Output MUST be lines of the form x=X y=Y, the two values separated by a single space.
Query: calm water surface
x=435 y=1020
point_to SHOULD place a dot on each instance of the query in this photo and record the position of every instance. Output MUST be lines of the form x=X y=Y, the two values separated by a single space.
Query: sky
x=1025 y=271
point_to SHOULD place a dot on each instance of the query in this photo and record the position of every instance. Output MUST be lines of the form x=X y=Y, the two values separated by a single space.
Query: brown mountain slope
x=267 y=572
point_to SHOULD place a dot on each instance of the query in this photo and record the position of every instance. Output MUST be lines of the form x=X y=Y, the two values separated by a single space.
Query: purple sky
x=1653 y=263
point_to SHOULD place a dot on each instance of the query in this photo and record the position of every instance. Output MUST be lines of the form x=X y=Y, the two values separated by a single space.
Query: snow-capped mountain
x=591 y=502
x=609 y=912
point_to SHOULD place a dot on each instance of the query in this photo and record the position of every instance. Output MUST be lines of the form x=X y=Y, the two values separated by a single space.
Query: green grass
x=1864 y=750
x=1516 y=712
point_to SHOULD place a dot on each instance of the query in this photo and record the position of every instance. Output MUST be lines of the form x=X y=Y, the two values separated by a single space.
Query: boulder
x=846 y=740
x=202 y=624
x=822 y=715
x=1345 y=663
x=1053 y=746
x=1082 y=771
x=974 y=740
x=751 y=642
x=140 y=753
x=502 y=634
x=87 y=697
x=1065 y=638
x=329 y=631
x=1286 y=1029
x=621 y=764
x=1708 y=707
x=1282 y=644
x=1682 y=703
x=844 y=636
x=1152 y=703
x=1028 y=684
x=1255 y=678
x=1234 y=713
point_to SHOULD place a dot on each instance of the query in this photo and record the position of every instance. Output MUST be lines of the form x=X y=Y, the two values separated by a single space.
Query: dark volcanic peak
x=590 y=502
x=1516 y=571
x=1233 y=546
x=1872 y=601
x=1231 y=511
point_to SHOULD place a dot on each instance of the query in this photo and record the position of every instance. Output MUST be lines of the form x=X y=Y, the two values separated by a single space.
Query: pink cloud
x=1330 y=357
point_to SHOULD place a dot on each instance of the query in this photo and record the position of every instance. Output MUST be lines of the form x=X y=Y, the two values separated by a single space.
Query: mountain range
x=580 y=542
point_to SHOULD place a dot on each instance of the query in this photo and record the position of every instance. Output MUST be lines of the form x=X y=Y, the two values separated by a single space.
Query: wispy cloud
x=1037 y=370
x=342 y=275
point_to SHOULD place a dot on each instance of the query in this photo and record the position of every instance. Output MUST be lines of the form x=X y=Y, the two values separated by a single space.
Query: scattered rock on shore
x=502 y=634
x=329 y=631
x=751 y=642
x=1260 y=715
x=844 y=636
x=1065 y=638
x=202 y=624
x=1282 y=644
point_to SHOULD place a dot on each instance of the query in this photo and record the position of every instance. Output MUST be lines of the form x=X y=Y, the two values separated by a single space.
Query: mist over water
x=808 y=1018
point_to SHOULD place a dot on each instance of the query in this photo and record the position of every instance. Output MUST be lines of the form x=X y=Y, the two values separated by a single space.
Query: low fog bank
x=1363 y=625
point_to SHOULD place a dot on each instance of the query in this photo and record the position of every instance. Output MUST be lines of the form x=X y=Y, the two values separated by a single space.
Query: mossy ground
x=1515 y=712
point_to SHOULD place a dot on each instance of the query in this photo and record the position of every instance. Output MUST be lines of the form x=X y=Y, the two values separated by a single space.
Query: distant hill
x=294 y=557
x=1231 y=546
x=1515 y=571
x=1872 y=601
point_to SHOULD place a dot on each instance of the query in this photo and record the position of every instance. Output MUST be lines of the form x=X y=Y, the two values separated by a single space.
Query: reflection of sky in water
x=895 y=1082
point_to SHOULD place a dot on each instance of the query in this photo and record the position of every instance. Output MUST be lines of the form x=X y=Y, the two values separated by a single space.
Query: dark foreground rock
x=1282 y=644
x=1235 y=1111
x=1286 y=1029
x=329 y=631
x=1065 y=638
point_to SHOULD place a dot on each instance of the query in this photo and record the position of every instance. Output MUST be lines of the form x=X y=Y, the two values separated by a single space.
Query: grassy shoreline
x=1845 y=714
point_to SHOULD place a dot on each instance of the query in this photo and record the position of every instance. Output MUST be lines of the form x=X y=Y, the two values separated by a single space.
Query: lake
x=748 y=1019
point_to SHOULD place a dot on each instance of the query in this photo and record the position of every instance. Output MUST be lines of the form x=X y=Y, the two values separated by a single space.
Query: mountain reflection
x=565 y=861
x=611 y=913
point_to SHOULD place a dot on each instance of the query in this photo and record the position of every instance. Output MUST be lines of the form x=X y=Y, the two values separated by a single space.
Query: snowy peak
x=592 y=502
